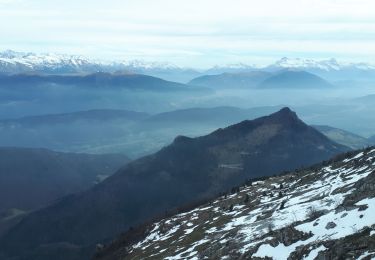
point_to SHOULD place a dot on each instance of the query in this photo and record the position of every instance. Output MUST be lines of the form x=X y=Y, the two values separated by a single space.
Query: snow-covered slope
x=325 y=212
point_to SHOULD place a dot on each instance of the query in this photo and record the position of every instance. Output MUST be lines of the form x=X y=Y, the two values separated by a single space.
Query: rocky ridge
x=324 y=212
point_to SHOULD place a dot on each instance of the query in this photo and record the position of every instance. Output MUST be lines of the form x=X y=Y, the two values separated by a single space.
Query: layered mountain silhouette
x=98 y=80
x=294 y=79
x=34 y=178
x=261 y=79
x=224 y=115
x=188 y=170
x=231 y=80
x=107 y=130
x=135 y=133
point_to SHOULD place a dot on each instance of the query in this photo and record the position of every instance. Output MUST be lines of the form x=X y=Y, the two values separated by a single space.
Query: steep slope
x=188 y=170
x=343 y=137
x=32 y=178
x=325 y=212
x=294 y=79
x=231 y=80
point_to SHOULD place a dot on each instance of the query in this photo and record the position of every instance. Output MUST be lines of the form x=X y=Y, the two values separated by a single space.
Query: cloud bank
x=192 y=32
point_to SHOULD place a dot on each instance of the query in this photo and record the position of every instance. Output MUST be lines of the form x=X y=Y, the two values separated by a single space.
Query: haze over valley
x=135 y=130
x=66 y=105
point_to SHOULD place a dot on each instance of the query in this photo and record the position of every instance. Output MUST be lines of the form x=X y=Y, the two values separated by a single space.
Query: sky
x=193 y=33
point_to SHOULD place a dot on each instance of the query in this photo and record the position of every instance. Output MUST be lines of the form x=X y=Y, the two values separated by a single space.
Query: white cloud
x=192 y=31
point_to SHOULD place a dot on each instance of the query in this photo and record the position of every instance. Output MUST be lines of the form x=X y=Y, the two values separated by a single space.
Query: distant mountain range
x=231 y=80
x=34 y=178
x=25 y=62
x=35 y=93
x=188 y=170
x=95 y=80
x=102 y=80
x=327 y=65
x=330 y=69
x=21 y=62
x=322 y=212
x=295 y=80
x=283 y=79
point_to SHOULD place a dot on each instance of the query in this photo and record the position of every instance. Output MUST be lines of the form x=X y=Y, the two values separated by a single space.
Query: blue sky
x=197 y=33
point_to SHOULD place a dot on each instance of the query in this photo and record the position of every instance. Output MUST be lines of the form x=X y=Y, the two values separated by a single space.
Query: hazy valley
x=135 y=160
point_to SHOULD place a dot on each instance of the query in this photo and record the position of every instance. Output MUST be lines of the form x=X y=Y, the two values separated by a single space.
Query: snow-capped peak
x=148 y=65
x=12 y=61
x=9 y=54
x=235 y=66
x=18 y=62
x=328 y=65
x=15 y=62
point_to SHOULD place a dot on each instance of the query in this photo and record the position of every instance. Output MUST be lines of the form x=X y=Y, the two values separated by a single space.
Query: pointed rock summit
x=285 y=111
x=286 y=115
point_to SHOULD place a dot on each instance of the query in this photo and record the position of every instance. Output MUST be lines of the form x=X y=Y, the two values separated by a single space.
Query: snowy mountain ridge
x=20 y=62
x=136 y=64
x=16 y=62
x=324 y=212
x=52 y=62
x=327 y=65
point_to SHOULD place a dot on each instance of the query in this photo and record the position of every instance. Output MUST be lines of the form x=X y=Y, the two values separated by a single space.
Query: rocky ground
x=324 y=212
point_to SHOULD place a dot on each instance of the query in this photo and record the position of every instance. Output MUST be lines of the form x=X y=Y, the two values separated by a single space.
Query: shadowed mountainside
x=188 y=170
x=34 y=178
